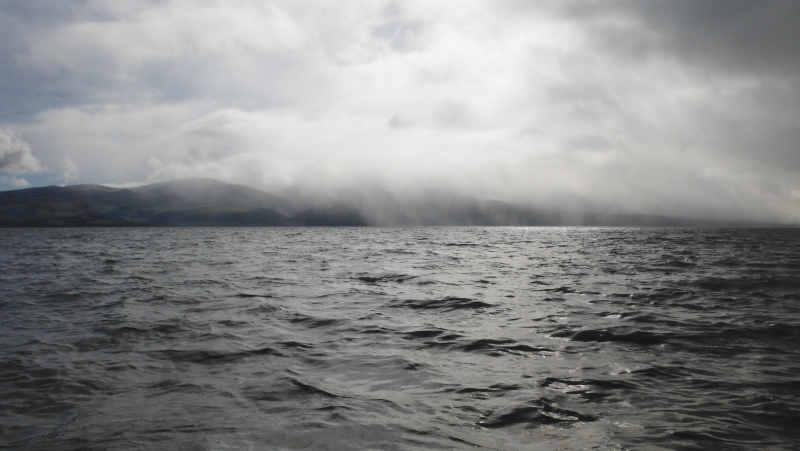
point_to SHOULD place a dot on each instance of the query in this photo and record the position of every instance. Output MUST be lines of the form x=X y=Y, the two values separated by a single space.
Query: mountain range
x=192 y=202
x=208 y=202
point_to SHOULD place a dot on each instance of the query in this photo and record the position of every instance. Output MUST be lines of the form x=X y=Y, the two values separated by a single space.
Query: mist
x=403 y=109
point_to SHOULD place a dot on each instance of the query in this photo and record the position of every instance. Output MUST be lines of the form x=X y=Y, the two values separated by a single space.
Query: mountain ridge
x=209 y=202
x=188 y=202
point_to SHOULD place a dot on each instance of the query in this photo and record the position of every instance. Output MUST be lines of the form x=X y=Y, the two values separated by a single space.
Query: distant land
x=211 y=203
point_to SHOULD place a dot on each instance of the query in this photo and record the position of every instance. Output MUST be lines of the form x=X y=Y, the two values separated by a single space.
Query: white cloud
x=69 y=169
x=16 y=182
x=15 y=154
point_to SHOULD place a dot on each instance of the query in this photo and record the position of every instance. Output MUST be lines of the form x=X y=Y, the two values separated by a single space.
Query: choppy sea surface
x=399 y=339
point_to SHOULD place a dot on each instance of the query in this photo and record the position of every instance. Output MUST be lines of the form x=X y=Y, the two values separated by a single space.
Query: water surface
x=399 y=339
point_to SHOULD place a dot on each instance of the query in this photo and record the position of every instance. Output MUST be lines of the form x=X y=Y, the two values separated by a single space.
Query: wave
x=534 y=413
x=397 y=278
x=313 y=322
x=447 y=304
x=600 y=336
x=213 y=356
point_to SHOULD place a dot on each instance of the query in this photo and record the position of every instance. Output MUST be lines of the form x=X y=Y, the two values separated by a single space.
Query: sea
x=427 y=338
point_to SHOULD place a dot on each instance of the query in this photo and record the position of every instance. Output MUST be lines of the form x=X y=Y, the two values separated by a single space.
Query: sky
x=687 y=108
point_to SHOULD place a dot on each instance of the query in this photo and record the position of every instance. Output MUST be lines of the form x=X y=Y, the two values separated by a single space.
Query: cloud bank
x=676 y=108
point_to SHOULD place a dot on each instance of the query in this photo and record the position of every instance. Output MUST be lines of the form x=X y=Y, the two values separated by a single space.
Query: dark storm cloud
x=756 y=42
x=761 y=37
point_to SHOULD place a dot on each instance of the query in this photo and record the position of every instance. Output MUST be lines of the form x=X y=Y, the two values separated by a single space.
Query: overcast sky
x=672 y=107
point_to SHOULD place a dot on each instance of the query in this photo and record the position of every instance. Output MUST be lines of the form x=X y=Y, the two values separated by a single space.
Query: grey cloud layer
x=685 y=108
x=759 y=37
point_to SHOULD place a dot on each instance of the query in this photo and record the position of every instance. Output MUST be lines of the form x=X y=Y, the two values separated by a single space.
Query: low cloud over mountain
x=208 y=202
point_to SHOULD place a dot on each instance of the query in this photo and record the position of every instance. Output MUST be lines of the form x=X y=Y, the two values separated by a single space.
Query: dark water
x=400 y=339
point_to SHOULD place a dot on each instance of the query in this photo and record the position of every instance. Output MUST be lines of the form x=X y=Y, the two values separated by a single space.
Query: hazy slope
x=206 y=192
